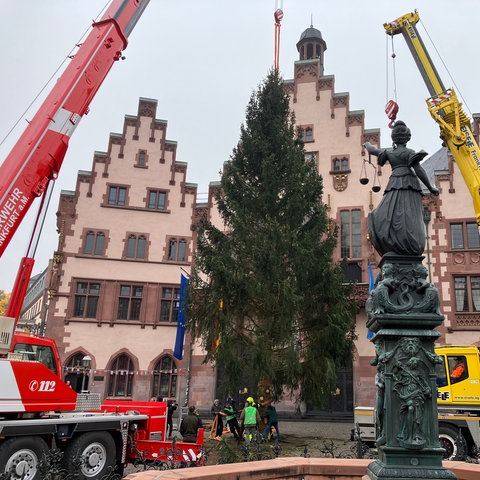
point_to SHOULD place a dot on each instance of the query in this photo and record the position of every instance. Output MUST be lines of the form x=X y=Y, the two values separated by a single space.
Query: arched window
x=94 y=243
x=121 y=378
x=177 y=250
x=136 y=246
x=76 y=376
x=165 y=378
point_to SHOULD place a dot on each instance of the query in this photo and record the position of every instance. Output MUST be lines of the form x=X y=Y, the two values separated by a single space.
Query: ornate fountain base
x=403 y=312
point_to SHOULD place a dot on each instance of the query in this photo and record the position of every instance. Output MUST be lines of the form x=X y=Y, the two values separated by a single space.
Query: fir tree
x=265 y=297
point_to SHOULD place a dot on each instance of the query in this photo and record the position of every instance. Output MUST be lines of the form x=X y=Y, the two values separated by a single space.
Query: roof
x=311 y=33
x=434 y=163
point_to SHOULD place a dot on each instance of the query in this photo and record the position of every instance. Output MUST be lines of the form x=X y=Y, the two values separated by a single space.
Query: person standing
x=217 y=414
x=231 y=418
x=249 y=420
x=272 y=421
x=190 y=425
x=171 y=407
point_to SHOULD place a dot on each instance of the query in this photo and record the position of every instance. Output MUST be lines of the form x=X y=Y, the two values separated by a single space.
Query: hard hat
x=250 y=400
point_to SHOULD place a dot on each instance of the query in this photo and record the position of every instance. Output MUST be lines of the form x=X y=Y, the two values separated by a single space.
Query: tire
x=21 y=455
x=98 y=451
x=453 y=442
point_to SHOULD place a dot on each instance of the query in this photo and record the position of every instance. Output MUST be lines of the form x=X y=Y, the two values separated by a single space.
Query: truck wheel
x=96 y=449
x=453 y=442
x=20 y=457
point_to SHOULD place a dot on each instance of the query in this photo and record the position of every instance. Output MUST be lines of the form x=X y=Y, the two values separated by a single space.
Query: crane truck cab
x=30 y=369
x=27 y=346
x=458 y=376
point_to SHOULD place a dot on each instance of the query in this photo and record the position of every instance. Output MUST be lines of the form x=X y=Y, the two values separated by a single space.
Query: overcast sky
x=202 y=59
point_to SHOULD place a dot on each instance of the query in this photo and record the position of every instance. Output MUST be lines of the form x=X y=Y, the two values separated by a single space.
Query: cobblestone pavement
x=305 y=428
x=296 y=434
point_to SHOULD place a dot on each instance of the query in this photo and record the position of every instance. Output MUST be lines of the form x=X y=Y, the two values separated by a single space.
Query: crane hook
x=391 y=109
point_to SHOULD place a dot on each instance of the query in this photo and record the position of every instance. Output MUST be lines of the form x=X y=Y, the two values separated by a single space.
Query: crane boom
x=36 y=158
x=444 y=107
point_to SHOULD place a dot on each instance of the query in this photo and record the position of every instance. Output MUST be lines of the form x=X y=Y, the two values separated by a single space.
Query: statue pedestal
x=403 y=311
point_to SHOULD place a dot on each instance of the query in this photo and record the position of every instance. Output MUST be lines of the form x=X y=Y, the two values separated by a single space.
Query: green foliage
x=264 y=284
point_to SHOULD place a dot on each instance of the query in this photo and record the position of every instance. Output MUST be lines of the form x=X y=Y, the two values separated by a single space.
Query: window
x=39 y=353
x=465 y=230
x=457 y=368
x=352 y=272
x=136 y=245
x=129 y=302
x=441 y=374
x=94 y=243
x=169 y=304
x=77 y=375
x=157 y=200
x=467 y=293
x=165 y=378
x=142 y=158
x=340 y=164
x=121 y=378
x=310 y=157
x=117 y=195
x=350 y=234
x=177 y=250
x=86 y=299
x=306 y=134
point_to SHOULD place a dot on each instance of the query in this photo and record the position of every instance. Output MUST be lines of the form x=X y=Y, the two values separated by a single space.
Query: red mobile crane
x=38 y=411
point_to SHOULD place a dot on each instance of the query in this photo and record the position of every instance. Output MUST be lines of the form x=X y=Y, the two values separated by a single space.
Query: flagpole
x=189 y=372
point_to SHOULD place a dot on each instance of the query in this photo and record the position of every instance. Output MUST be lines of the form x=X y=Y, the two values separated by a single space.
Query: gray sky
x=202 y=60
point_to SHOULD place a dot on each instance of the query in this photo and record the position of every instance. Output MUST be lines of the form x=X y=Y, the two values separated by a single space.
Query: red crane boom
x=37 y=157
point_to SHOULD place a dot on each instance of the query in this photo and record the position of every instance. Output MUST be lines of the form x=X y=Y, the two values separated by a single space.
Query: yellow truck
x=458 y=400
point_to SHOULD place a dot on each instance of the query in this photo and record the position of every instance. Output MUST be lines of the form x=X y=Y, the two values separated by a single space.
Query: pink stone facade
x=126 y=238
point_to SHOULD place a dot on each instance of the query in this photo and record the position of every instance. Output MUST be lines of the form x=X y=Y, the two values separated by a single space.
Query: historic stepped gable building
x=128 y=230
x=125 y=237
x=334 y=134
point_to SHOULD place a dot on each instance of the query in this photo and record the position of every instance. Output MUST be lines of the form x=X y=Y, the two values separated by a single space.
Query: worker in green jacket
x=250 y=420
x=231 y=419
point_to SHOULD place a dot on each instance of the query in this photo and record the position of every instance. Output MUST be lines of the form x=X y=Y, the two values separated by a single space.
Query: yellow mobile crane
x=444 y=107
x=458 y=394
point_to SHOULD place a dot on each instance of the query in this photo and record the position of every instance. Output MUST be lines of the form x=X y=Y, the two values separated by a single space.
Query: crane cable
x=278 y=16
x=391 y=106
x=446 y=69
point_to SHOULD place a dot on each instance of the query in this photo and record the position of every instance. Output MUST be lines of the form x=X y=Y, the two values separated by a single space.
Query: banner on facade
x=182 y=317
x=371 y=287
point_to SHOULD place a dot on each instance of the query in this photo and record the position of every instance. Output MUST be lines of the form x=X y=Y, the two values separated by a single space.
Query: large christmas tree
x=266 y=299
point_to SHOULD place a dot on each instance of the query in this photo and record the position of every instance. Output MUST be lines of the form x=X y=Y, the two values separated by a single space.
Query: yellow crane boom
x=444 y=107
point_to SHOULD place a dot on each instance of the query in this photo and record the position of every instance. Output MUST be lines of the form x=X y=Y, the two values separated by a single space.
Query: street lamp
x=86 y=362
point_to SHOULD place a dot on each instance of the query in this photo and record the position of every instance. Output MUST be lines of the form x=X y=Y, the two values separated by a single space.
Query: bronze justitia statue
x=396 y=225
